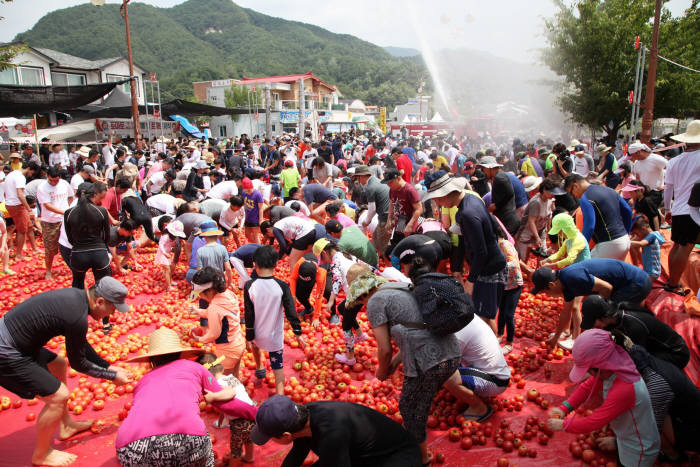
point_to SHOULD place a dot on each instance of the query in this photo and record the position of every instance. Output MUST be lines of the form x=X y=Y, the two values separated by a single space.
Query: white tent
x=406 y=119
x=437 y=118
x=68 y=131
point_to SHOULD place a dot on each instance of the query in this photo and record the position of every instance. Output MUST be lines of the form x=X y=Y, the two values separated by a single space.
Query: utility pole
x=268 y=116
x=134 y=80
x=302 y=113
x=648 y=116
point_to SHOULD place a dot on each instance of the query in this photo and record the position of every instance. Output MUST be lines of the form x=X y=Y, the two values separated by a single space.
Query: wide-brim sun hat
x=443 y=186
x=360 y=170
x=531 y=182
x=176 y=228
x=691 y=135
x=320 y=245
x=489 y=162
x=209 y=229
x=602 y=149
x=165 y=341
x=84 y=151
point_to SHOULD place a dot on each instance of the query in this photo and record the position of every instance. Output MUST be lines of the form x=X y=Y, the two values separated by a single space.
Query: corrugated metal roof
x=64 y=60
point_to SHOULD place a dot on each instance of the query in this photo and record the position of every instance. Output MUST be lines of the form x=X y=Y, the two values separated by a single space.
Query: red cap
x=246 y=184
x=288 y=163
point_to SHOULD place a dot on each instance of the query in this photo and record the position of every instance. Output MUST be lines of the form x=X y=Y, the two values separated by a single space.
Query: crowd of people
x=412 y=229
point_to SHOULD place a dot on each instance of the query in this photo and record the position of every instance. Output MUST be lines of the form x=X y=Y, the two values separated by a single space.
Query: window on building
x=126 y=87
x=273 y=127
x=24 y=75
x=222 y=131
x=68 y=79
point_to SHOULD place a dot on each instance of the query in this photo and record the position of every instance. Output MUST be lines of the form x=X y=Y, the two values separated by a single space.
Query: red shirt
x=112 y=203
x=369 y=152
x=404 y=163
x=403 y=201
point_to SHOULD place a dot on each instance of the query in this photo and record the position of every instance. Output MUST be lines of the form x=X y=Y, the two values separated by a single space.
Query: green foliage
x=591 y=46
x=240 y=97
x=214 y=39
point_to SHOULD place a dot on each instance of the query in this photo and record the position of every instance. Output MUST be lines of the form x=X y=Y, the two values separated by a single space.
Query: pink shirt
x=344 y=220
x=166 y=401
x=619 y=399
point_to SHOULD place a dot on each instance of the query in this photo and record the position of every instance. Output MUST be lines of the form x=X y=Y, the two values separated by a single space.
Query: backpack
x=445 y=306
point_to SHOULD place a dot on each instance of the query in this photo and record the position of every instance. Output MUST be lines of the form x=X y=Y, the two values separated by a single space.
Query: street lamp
x=134 y=100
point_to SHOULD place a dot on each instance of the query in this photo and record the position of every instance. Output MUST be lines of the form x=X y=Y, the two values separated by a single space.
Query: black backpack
x=445 y=306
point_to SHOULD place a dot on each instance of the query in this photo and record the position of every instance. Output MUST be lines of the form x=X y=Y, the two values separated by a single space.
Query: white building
x=45 y=67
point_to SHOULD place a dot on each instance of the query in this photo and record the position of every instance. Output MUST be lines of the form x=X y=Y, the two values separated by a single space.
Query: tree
x=239 y=97
x=591 y=47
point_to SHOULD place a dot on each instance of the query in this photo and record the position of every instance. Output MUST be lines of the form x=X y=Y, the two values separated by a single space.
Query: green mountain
x=402 y=51
x=213 y=39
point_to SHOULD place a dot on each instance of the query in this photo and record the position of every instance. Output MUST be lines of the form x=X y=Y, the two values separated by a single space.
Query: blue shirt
x=197 y=243
x=651 y=254
x=577 y=280
x=480 y=241
x=410 y=152
x=521 y=198
x=317 y=193
x=606 y=215
x=245 y=253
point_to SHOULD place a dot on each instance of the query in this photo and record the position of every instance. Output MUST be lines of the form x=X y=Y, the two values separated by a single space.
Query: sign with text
x=124 y=127
x=382 y=119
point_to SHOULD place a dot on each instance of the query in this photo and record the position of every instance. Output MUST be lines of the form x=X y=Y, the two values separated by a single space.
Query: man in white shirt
x=158 y=180
x=58 y=157
x=18 y=208
x=54 y=195
x=582 y=165
x=682 y=173
x=160 y=204
x=108 y=151
x=86 y=174
x=648 y=167
x=223 y=190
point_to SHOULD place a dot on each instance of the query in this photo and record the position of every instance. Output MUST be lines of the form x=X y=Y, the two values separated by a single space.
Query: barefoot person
x=30 y=370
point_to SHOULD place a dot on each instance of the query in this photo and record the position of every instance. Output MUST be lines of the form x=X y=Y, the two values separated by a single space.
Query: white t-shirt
x=56 y=195
x=76 y=180
x=2 y=185
x=223 y=190
x=294 y=227
x=230 y=219
x=302 y=206
x=650 y=171
x=62 y=237
x=581 y=165
x=309 y=156
x=682 y=173
x=108 y=153
x=59 y=158
x=157 y=181
x=265 y=189
x=480 y=349
x=163 y=202
x=13 y=181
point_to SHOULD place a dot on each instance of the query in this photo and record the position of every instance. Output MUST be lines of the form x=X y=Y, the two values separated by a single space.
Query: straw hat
x=602 y=149
x=165 y=341
x=531 y=182
x=691 y=135
x=84 y=151
x=444 y=186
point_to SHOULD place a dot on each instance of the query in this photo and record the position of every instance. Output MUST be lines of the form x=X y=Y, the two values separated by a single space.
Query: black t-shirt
x=64 y=312
x=87 y=226
x=325 y=153
x=136 y=209
x=346 y=434
x=657 y=337
x=481 y=184
x=275 y=156
x=114 y=238
x=648 y=207
x=503 y=197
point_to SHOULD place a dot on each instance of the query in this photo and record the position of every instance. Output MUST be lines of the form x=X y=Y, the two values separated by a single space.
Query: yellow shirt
x=16 y=164
x=441 y=162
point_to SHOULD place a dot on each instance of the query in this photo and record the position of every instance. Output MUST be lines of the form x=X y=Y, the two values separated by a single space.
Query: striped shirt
x=651 y=254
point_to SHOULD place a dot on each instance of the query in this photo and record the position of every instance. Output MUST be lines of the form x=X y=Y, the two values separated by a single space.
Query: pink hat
x=629 y=188
x=246 y=183
x=596 y=349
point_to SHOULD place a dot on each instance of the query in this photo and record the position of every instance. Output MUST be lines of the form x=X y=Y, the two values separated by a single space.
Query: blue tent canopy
x=187 y=127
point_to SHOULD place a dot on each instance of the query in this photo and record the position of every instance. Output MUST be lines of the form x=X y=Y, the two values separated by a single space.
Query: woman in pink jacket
x=223 y=313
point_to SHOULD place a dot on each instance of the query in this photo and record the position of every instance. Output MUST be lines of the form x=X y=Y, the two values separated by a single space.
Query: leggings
x=418 y=393
x=168 y=450
x=82 y=261
x=303 y=292
x=349 y=324
x=506 y=312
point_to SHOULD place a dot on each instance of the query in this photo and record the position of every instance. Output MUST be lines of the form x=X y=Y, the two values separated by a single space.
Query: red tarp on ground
x=17 y=435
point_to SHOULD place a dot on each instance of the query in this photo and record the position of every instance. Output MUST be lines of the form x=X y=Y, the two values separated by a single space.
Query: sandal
x=676 y=289
x=506 y=349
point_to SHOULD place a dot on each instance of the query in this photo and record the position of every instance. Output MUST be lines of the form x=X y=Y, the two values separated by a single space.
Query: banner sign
x=124 y=127
x=382 y=119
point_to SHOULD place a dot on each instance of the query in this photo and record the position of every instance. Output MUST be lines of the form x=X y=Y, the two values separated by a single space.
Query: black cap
x=334 y=226
x=541 y=278
x=275 y=416
x=593 y=308
x=390 y=175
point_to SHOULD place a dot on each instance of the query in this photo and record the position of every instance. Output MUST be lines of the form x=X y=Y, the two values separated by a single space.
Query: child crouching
x=240 y=427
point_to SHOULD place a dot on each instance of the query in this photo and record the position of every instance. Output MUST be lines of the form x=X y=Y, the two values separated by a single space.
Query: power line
x=678 y=64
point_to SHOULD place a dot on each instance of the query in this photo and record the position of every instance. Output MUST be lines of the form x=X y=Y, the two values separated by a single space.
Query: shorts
x=486 y=298
x=50 y=232
x=304 y=242
x=613 y=249
x=481 y=383
x=28 y=376
x=240 y=435
x=684 y=230
x=155 y=212
x=168 y=450
x=380 y=237
x=276 y=360
x=20 y=217
x=250 y=225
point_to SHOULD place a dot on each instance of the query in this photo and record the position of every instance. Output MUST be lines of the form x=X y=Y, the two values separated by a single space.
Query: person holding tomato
x=29 y=370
